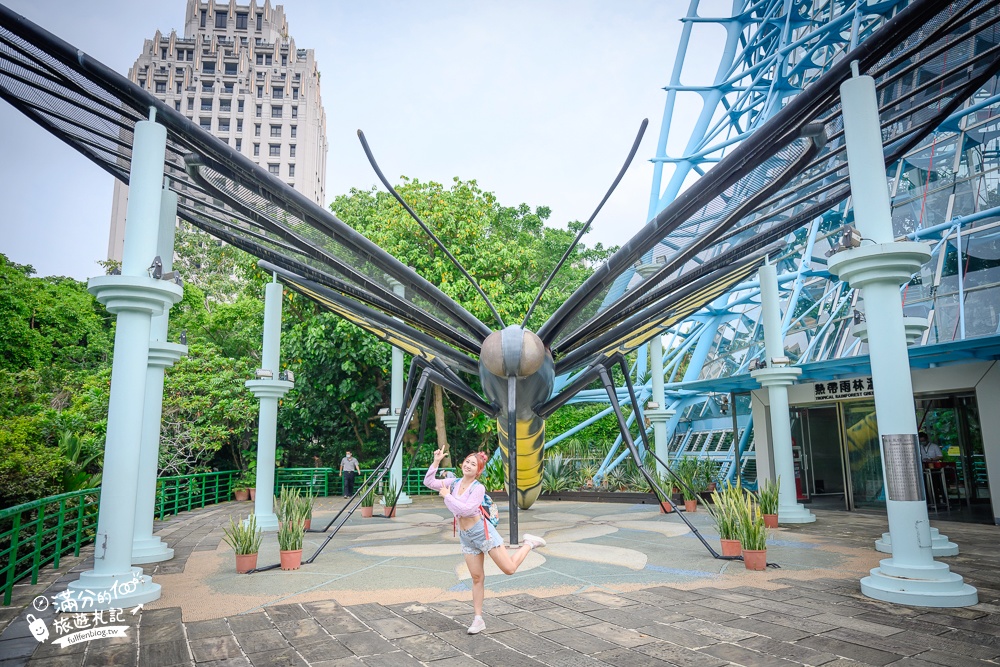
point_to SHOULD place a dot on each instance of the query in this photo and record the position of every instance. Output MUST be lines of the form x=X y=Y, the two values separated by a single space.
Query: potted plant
x=753 y=534
x=667 y=484
x=726 y=512
x=244 y=538
x=241 y=488
x=768 y=493
x=290 y=535
x=389 y=500
x=306 y=502
x=689 y=473
x=367 y=501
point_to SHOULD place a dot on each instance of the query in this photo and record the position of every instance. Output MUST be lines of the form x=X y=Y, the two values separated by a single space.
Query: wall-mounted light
x=263 y=374
x=849 y=238
x=287 y=376
x=383 y=412
x=778 y=362
x=859 y=317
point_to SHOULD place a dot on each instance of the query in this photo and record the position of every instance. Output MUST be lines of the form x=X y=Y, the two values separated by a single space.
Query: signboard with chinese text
x=837 y=390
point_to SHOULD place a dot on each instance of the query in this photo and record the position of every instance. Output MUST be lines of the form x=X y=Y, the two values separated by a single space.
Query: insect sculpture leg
x=366 y=488
x=380 y=473
x=512 y=456
x=609 y=387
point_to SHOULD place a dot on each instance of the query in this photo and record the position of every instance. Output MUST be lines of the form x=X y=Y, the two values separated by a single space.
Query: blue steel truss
x=945 y=191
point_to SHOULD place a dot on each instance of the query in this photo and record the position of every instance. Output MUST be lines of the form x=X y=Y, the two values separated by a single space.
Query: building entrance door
x=864 y=456
x=952 y=423
x=816 y=435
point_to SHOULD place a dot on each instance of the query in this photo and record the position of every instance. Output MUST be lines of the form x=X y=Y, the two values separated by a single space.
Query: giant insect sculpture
x=711 y=239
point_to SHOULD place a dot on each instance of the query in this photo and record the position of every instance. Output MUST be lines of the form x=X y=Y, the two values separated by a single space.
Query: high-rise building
x=238 y=74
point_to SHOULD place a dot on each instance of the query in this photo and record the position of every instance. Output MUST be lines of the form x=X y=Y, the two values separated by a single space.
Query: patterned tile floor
x=617 y=585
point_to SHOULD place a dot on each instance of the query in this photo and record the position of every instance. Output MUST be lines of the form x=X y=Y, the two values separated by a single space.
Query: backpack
x=487 y=508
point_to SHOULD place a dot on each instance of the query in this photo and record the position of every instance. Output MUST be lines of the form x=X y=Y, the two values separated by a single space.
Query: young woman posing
x=463 y=497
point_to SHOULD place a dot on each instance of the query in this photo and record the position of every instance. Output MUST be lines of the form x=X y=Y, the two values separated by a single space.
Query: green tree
x=49 y=322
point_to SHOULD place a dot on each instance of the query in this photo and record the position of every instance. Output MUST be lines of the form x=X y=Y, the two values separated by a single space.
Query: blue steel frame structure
x=945 y=190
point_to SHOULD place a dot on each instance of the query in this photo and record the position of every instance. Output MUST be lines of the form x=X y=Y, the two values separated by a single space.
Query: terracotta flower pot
x=253 y=494
x=690 y=505
x=390 y=512
x=241 y=494
x=291 y=560
x=366 y=512
x=245 y=563
x=771 y=520
x=666 y=508
x=755 y=560
x=731 y=547
x=307 y=524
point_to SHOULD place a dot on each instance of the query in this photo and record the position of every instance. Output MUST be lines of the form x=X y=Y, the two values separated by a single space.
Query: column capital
x=164 y=354
x=269 y=388
x=659 y=415
x=777 y=376
x=135 y=293
x=390 y=421
x=893 y=263
x=913 y=326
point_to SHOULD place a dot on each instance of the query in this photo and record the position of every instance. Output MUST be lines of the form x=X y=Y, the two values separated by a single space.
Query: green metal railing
x=327 y=481
x=187 y=492
x=35 y=534
x=315 y=480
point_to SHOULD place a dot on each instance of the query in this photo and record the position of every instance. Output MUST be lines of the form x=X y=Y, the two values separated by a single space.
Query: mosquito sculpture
x=792 y=169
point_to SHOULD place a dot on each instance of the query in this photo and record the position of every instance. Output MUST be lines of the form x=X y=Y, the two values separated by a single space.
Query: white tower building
x=238 y=74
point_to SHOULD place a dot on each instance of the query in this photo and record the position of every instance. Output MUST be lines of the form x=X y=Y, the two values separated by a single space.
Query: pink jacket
x=466 y=504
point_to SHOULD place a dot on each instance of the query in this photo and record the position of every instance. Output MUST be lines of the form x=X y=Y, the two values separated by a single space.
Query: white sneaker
x=534 y=541
x=478 y=625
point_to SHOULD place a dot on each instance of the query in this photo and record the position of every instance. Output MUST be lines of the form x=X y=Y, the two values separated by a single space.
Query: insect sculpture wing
x=790 y=170
x=777 y=179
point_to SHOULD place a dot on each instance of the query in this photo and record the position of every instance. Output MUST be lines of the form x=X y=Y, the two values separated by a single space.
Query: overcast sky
x=537 y=100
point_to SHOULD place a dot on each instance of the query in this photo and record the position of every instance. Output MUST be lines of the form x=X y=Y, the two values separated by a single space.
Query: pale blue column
x=777 y=377
x=146 y=547
x=658 y=416
x=391 y=420
x=879 y=267
x=656 y=411
x=268 y=391
x=134 y=297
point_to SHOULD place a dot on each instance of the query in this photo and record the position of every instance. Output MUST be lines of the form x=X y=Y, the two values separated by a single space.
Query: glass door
x=864 y=455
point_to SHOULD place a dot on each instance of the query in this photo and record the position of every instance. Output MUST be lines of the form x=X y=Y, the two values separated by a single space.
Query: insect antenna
x=583 y=230
x=413 y=214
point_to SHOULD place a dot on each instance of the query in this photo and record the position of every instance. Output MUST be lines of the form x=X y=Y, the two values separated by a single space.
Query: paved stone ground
x=794 y=616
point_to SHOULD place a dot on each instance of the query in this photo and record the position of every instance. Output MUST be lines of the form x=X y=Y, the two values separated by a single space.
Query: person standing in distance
x=349 y=468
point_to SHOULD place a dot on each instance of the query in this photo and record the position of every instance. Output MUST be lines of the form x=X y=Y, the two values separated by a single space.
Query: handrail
x=182 y=493
x=328 y=482
x=40 y=532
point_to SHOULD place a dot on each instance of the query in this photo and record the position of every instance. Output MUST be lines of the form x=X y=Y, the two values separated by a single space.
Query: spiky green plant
x=768 y=496
x=389 y=499
x=689 y=473
x=752 y=531
x=305 y=504
x=367 y=499
x=288 y=504
x=558 y=474
x=291 y=534
x=244 y=538
x=725 y=510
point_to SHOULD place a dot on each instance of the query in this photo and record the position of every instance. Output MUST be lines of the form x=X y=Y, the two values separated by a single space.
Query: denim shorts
x=476 y=540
